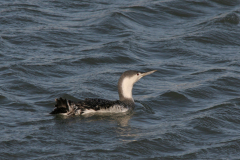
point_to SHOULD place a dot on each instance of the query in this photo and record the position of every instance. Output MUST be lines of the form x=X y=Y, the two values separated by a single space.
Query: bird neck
x=125 y=86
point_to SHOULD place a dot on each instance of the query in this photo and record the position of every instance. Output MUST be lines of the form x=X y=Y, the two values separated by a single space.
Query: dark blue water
x=188 y=109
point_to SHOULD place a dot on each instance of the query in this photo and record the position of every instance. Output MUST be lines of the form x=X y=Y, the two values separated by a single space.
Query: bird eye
x=138 y=74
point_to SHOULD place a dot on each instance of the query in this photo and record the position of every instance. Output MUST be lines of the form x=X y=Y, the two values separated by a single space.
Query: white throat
x=127 y=86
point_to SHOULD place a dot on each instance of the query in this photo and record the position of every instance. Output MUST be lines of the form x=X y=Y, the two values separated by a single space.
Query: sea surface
x=188 y=109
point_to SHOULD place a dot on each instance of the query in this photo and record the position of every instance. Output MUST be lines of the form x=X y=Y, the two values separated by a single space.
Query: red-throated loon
x=125 y=102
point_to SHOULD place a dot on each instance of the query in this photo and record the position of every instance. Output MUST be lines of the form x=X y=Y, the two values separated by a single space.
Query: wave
x=175 y=95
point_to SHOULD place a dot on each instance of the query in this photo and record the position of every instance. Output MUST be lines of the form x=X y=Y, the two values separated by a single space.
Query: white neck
x=127 y=86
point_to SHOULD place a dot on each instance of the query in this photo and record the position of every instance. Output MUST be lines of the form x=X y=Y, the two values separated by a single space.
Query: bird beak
x=147 y=73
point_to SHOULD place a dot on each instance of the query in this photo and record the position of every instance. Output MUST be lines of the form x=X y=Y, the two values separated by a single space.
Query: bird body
x=124 y=104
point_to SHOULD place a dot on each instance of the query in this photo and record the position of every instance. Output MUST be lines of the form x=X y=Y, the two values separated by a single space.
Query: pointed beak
x=147 y=73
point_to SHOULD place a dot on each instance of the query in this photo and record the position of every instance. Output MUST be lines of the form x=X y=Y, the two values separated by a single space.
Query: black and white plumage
x=124 y=104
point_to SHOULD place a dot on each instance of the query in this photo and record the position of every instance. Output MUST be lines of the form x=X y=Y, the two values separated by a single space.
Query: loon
x=124 y=104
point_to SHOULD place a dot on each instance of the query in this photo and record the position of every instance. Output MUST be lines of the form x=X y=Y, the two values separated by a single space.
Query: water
x=189 y=109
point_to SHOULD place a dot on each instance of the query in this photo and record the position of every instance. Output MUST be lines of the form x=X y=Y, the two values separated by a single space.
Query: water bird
x=124 y=104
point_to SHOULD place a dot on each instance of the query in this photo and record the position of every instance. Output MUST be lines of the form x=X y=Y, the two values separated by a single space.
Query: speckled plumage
x=69 y=107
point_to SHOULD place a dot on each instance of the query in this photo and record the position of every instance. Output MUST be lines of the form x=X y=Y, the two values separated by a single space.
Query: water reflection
x=122 y=119
x=113 y=124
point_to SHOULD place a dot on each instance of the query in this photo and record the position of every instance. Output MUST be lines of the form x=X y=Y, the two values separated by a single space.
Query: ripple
x=215 y=37
x=140 y=9
x=224 y=2
x=228 y=82
x=210 y=71
x=2 y=97
x=96 y=60
x=151 y=146
x=175 y=95
x=231 y=18
x=208 y=125
x=111 y=23
x=203 y=92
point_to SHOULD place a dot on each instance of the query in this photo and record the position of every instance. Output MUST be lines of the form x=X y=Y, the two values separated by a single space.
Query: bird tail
x=64 y=106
